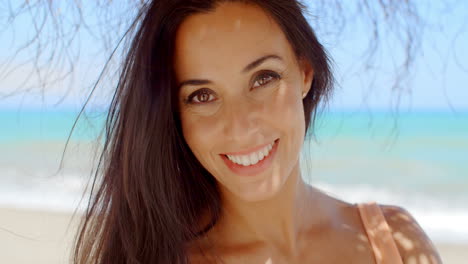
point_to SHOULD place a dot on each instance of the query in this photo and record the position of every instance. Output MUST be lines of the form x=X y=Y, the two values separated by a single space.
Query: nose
x=241 y=121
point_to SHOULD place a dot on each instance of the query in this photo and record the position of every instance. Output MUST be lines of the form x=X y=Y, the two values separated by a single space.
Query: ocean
x=417 y=160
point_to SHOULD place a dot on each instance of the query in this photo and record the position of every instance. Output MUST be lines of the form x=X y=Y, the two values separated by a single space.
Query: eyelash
x=273 y=75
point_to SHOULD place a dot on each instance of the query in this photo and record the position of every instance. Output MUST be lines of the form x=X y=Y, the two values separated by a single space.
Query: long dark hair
x=148 y=202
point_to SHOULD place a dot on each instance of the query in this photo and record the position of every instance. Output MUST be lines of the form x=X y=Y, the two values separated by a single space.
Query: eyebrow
x=247 y=68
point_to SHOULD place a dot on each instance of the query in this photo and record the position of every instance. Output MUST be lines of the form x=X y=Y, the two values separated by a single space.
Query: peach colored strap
x=378 y=232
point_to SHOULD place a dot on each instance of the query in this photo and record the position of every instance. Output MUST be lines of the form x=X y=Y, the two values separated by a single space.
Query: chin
x=260 y=191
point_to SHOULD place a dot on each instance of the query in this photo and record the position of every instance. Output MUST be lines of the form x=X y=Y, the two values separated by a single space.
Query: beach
x=34 y=236
x=422 y=167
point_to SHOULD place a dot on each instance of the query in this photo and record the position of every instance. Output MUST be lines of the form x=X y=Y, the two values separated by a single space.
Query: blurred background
x=395 y=130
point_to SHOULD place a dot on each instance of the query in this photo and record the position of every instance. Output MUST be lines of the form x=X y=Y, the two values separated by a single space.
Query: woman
x=203 y=142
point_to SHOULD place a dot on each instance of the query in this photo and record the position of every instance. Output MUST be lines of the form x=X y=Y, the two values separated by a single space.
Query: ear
x=307 y=76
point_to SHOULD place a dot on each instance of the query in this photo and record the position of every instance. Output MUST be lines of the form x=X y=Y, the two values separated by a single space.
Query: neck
x=276 y=222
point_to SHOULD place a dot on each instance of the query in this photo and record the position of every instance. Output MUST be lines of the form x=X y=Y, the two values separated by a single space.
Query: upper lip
x=248 y=151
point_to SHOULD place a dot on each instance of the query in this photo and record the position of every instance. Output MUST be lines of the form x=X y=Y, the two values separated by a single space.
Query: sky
x=437 y=81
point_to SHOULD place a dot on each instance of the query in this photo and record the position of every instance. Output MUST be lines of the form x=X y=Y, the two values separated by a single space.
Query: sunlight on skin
x=403 y=240
x=360 y=247
x=380 y=237
x=410 y=238
x=285 y=146
x=411 y=260
x=404 y=217
x=378 y=254
x=363 y=238
x=363 y=241
x=423 y=259
x=377 y=233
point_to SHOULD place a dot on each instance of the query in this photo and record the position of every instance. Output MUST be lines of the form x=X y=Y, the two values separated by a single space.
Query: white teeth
x=252 y=158
x=245 y=160
x=265 y=152
x=260 y=155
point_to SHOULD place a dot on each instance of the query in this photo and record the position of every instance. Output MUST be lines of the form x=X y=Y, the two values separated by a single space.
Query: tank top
x=378 y=232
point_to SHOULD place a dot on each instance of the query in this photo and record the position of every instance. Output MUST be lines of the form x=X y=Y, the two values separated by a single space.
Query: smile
x=251 y=163
x=253 y=157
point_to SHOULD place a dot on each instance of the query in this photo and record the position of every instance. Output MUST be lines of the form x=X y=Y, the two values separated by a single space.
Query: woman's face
x=230 y=106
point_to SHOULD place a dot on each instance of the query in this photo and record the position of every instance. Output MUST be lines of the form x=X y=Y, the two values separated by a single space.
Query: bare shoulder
x=412 y=242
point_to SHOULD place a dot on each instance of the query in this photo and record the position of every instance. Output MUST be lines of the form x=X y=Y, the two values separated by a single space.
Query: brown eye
x=265 y=78
x=203 y=97
x=200 y=96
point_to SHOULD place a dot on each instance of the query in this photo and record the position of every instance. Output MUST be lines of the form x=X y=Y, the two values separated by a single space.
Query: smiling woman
x=201 y=160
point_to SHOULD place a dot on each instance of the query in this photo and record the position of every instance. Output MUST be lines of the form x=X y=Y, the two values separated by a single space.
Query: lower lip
x=252 y=169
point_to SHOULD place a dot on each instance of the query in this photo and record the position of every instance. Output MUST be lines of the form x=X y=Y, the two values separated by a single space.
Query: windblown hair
x=151 y=191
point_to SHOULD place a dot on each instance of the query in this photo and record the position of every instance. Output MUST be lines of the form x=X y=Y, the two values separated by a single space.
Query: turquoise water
x=435 y=142
x=417 y=160
x=31 y=125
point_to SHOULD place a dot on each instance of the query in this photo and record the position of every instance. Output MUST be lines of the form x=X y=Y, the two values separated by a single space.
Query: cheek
x=289 y=117
x=199 y=134
x=287 y=108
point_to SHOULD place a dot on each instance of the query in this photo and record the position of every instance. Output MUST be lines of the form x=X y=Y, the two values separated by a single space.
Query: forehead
x=228 y=38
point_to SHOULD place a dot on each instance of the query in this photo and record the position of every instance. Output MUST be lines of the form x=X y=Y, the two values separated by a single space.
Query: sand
x=29 y=236
x=32 y=236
